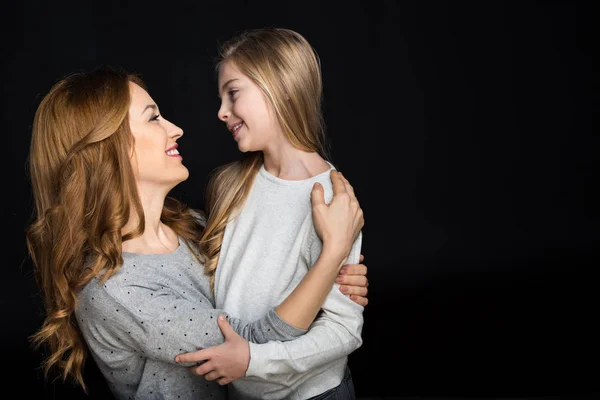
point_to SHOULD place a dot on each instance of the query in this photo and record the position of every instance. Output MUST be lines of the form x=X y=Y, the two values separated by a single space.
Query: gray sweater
x=156 y=307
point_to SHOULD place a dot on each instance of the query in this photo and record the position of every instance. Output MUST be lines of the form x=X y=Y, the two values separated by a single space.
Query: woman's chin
x=181 y=177
x=184 y=176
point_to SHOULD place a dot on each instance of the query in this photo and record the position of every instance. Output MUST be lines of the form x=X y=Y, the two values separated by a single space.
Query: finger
x=363 y=301
x=338 y=183
x=361 y=218
x=317 y=195
x=223 y=381
x=203 y=369
x=354 y=269
x=226 y=329
x=348 y=186
x=194 y=356
x=355 y=290
x=212 y=375
x=362 y=258
x=359 y=221
x=352 y=280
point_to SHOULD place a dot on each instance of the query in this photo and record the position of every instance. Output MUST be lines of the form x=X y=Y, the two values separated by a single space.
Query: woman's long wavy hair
x=287 y=70
x=85 y=192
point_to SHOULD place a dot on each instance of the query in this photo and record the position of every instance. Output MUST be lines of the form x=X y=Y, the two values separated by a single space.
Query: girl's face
x=246 y=112
x=156 y=162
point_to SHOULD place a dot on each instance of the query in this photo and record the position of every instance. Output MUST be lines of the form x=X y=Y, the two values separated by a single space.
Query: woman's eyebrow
x=153 y=106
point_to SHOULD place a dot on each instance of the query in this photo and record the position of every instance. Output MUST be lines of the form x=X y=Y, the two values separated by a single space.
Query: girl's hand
x=223 y=363
x=338 y=223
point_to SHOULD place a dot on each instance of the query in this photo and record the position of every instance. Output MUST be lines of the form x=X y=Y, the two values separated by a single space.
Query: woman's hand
x=353 y=281
x=223 y=363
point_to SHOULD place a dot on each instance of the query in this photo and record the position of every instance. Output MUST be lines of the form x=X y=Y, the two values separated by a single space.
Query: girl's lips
x=231 y=127
x=237 y=130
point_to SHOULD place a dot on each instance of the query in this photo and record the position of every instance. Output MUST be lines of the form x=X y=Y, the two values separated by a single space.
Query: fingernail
x=339 y=279
x=344 y=289
x=343 y=270
x=222 y=318
x=176 y=359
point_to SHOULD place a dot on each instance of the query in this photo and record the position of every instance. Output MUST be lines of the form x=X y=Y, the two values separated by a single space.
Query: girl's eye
x=232 y=93
x=155 y=117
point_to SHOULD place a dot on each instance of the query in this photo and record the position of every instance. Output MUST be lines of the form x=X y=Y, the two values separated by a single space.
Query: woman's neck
x=293 y=164
x=157 y=237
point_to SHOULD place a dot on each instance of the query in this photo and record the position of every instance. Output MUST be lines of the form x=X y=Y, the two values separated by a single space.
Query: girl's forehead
x=229 y=68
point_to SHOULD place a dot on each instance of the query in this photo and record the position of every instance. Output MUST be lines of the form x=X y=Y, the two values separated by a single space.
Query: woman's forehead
x=140 y=99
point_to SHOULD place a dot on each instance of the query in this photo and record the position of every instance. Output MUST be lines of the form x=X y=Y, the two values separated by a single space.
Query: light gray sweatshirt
x=266 y=251
x=156 y=307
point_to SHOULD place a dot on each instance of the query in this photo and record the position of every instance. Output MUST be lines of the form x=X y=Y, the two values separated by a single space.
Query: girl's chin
x=246 y=147
x=243 y=149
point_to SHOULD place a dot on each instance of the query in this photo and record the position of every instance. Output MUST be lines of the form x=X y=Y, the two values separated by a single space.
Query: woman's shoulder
x=94 y=296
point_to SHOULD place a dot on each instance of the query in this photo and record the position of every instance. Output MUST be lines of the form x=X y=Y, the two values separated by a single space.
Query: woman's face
x=155 y=160
x=246 y=112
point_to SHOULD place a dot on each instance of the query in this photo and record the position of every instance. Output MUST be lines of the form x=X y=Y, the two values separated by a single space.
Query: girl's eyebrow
x=226 y=84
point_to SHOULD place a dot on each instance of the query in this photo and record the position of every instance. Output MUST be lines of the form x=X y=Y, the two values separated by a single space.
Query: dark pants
x=344 y=391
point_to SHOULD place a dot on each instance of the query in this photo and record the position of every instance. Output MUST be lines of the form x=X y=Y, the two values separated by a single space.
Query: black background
x=466 y=129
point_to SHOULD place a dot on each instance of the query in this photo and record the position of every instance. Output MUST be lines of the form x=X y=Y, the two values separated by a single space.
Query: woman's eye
x=155 y=117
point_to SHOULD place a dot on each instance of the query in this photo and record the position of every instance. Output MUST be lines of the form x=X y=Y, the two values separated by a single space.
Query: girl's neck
x=294 y=164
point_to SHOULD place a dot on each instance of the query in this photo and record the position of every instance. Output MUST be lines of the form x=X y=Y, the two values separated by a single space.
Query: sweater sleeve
x=161 y=324
x=334 y=334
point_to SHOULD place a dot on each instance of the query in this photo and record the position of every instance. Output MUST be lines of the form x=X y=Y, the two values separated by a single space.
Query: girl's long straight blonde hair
x=287 y=70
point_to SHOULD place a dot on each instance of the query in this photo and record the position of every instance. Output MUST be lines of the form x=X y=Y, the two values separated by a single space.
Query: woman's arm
x=147 y=316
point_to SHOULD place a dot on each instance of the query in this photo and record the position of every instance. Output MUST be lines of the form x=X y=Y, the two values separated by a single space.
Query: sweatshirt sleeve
x=159 y=323
x=334 y=334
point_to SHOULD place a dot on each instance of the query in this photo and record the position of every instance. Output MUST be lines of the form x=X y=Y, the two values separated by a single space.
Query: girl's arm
x=338 y=224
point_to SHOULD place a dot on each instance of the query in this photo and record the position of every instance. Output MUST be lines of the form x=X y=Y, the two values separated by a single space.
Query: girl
x=269 y=81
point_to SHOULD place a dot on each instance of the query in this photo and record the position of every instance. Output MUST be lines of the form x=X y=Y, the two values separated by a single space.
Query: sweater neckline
x=175 y=252
x=285 y=182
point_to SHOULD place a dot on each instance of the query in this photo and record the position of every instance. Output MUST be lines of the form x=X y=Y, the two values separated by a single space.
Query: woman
x=118 y=260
